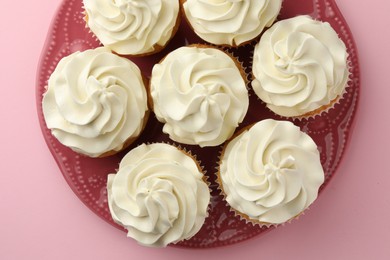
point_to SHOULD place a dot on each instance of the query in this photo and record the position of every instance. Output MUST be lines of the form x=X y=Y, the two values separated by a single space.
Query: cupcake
x=96 y=102
x=270 y=173
x=300 y=67
x=199 y=93
x=232 y=23
x=133 y=27
x=158 y=195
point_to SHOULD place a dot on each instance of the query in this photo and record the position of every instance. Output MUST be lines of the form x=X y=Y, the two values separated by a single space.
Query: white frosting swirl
x=299 y=66
x=271 y=172
x=95 y=102
x=158 y=195
x=231 y=22
x=132 y=26
x=200 y=95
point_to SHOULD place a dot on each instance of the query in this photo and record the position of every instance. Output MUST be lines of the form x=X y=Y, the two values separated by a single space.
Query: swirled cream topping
x=231 y=22
x=299 y=65
x=158 y=195
x=271 y=172
x=200 y=95
x=132 y=26
x=95 y=102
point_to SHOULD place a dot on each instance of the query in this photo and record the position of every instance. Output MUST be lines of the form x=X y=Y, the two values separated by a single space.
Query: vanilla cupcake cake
x=200 y=95
x=127 y=27
x=96 y=102
x=270 y=173
x=227 y=22
x=300 y=67
x=158 y=195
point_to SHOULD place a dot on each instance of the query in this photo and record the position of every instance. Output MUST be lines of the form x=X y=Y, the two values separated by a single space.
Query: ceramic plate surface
x=87 y=177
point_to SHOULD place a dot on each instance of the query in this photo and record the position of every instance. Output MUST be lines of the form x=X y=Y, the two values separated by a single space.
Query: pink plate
x=87 y=177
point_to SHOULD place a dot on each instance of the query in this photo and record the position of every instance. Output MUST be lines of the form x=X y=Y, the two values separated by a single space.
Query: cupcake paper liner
x=321 y=111
x=242 y=216
x=205 y=178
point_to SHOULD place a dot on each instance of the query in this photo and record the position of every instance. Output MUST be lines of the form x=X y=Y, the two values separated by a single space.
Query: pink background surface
x=41 y=218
